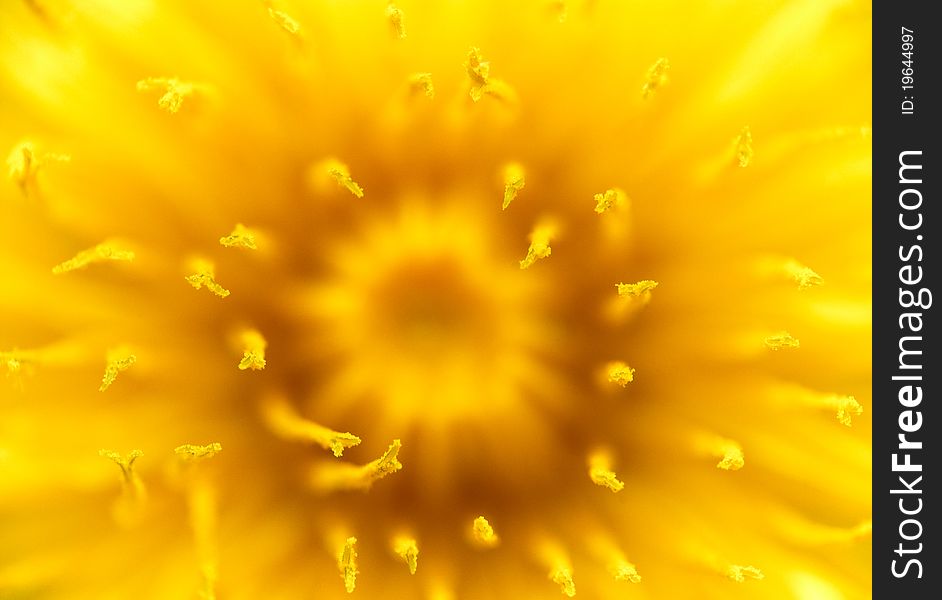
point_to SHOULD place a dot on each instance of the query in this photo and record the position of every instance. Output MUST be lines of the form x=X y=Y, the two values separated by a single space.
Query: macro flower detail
x=347 y=563
x=656 y=77
x=340 y=174
x=173 y=91
x=440 y=367
x=204 y=275
x=408 y=551
x=483 y=533
x=514 y=181
x=744 y=149
x=601 y=474
x=241 y=237
x=100 y=253
x=619 y=372
x=608 y=200
x=118 y=360
x=396 y=20
x=25 y=163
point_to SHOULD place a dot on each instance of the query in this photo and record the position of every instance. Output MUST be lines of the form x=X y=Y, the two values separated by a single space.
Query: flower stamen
x=101 y=253
x=395 y=16
x=408 y=550
x=343 y=476
x=205 y=275
x=24 y=165
x=241 y=237
x=739 y=573
x=656 y=77
x=117 y=361
x=781 y=341
x=609 y=199
x=174 y=91
x=562 y=575
x=337 y=171
x=641 y=289
x=803 y=276
x=539 y=248
x=129 y=505
x=601 y=473
x=286 y=423
x=253 y=348
x=192 y=453
x=482 y=533
x=513 y=182
x=732 y=456
x=347 y=563
x=285 y=21
x=619 y=372
x=744 y=150
x=422 y=82
x=623 y=570
x=479 y=72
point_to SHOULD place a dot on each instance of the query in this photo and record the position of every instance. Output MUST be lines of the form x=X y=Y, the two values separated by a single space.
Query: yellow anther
x=344 y=476
x=100 y=253
x=744 y=147
x=395 y=16
x=479 y=72
x=620 y=373
x=600 y=472
x=117 y=361
x=422 y=82
x=803 y=276
x=347 y=562
x=205 y=275
x=623 y=570
x=24 y=164
x=174 y=91
x=253 y=348
x=15 y=361
x=128 y=507
x=513 y=183
x=781 y=341
x=285 y=21
x=482 y=534
x=563 y=576
x=609 y=199
x=539 y=248
x=847 y=407
x=125 y=463
x=241 y=237
x=656 y=77
x=732 y=458
x=635 y=290
x=194 y=453
x=407 y=549
x=387 y=463
x=739 y=573
x=285 y=422
x=13 y=364
x=729 y=452
x=340 y=174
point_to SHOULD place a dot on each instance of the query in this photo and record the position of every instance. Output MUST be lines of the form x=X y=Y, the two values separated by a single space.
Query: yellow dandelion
x=431 y=368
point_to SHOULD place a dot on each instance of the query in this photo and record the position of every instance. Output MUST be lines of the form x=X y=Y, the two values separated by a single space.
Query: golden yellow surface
x=587 y=278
